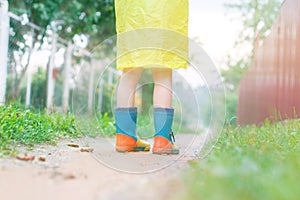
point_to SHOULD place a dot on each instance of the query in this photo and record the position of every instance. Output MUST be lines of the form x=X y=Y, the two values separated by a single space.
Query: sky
x=212 y=26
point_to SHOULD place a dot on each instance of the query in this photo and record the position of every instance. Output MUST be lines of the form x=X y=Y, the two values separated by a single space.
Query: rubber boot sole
x=124 y=149
x=167 y=151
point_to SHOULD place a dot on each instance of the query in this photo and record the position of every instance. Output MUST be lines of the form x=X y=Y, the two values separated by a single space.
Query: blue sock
x=125 y=119
x=163 y=119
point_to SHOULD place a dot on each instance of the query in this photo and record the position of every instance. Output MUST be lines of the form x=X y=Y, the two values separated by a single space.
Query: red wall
x=271 y=87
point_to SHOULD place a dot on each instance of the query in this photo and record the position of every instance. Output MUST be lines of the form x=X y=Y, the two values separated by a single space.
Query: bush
x=29 y=127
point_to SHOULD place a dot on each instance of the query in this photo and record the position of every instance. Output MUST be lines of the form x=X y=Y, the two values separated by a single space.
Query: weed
x=20 y=125
x=250 y=163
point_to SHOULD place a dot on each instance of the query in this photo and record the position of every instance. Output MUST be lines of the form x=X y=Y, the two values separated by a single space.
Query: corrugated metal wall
x=271 y=87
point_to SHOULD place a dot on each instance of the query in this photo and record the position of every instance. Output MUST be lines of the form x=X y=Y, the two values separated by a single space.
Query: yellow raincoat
x=152 y=33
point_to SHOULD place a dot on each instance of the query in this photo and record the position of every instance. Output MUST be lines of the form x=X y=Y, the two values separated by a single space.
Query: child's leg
x=163 y=112
x=126 y=113
x=127 y=86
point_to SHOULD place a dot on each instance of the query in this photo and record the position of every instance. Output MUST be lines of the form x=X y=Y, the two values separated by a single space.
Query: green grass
x=93 y=126
x=29 y=126
x=20 y=125
x=250 y=163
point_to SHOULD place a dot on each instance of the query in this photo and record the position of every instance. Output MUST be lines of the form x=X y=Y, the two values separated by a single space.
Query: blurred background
x=58 y=82
x=49 y=43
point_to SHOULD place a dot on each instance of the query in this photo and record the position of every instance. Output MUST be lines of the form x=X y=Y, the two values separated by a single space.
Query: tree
x=93 y=19
x=257 y=18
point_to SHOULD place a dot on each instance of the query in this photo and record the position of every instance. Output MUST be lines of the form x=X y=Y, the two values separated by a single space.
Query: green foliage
x=231 y=80
x=38 y=90
x=92 y=18
x=107 y=98
x=231 y=107
x=235 y=73
x=257 y=18
x=147 y=94
x=250 y=163
x=104 y=125
x=145 y=126
x=105 y=88
x=20 y=125
x=107 y=125
x=147 y=91
x=96 y=125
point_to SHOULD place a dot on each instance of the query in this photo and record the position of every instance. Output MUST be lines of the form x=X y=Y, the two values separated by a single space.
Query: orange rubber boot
x=125 y=143
x=163 y=146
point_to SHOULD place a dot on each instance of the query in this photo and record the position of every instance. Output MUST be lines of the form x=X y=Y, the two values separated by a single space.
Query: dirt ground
x=68 y=173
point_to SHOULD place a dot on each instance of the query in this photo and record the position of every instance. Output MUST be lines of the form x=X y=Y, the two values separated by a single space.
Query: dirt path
x=68 y=173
